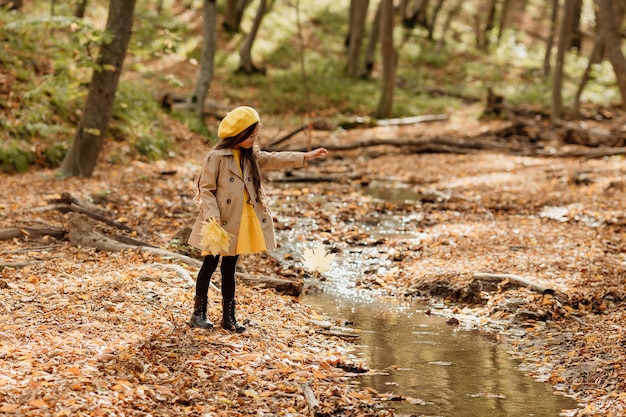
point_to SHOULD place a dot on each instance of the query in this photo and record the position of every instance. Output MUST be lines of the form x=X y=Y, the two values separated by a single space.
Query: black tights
x=229 y=264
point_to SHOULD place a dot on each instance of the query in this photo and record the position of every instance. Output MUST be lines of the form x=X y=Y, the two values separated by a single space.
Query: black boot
x=229 y=322
x=198 y=319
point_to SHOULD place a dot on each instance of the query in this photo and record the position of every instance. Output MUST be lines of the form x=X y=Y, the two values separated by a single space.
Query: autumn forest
x=476 y=167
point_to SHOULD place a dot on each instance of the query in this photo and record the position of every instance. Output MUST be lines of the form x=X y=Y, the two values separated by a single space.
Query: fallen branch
x=585 y=153
x=421 y=145
x=31 y=232
x=413 y=120
x=312 y=402
x=81 y=233
x=515 y=280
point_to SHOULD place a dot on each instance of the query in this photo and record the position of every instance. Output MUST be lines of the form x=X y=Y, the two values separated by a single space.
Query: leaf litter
x=104 y=333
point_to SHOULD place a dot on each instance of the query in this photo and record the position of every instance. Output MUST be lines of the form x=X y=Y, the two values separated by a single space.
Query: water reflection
x=444 y=371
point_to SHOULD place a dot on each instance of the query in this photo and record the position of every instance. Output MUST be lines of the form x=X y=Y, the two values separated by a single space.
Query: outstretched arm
x=315 y=153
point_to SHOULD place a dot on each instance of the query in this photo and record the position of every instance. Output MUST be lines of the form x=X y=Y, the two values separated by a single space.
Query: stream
x=439 y=369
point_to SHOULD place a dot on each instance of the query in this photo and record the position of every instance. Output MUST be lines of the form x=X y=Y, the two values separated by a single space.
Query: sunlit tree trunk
x=389 y=59
x=563 y=46
x=82 y=156
x=609 y=30
x=370 y=50
x=356 y=32
x=245 y=54
x=207 y=59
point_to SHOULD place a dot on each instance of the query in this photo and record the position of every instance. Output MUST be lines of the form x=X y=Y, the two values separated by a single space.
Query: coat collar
x=232 y=166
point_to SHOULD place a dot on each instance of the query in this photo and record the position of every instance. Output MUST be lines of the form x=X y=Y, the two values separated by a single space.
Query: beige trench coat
x=221 y=190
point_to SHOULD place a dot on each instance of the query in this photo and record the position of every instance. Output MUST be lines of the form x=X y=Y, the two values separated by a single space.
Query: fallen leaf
x=317 y=259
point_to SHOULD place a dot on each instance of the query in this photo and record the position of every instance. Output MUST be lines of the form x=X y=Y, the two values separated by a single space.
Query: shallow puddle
x=440 y=369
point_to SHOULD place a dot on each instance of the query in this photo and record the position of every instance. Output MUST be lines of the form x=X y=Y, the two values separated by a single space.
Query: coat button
x=264 y=220
x=257 y=199
x=228 y=201
x=232 y=179
x=249 y=179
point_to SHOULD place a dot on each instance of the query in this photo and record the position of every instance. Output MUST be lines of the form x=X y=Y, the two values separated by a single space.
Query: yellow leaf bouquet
x=214 y=237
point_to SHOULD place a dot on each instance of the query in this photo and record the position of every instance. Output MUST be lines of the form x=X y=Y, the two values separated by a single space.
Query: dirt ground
x=94 y=333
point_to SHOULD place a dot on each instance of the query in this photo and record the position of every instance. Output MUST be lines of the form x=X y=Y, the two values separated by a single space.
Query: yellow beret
x=236 y=121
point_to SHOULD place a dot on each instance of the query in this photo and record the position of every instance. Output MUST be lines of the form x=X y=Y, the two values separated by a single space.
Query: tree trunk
x=564 y=42
x=482 y=33
x=234 y=14
x=82 y=157
x=431 y=24
x=550 y=40
x=504 y=15
x=418 y=15
x=454 y=11
x=81 y=6
x=577 y=34
x=389 y=59
x=610 y=32
x=356 y=31
x=596 y=56
x=245 y=54
x=207 y=60
x=11 y=4
x=370 y=50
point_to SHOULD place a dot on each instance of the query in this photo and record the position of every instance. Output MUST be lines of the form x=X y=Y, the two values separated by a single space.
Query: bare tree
x=609 y=30
x=389 y=59
x=563 y=46
x=245 y=53
x=356 y=31
x=207 y=59
x=83 y=155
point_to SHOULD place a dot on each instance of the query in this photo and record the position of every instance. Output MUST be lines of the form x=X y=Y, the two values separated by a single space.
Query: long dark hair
x=246 y=155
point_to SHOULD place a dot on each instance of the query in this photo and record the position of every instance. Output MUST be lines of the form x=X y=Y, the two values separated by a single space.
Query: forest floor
x=85 y=332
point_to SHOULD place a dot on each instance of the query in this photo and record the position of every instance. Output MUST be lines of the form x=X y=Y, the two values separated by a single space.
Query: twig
x=311 y=400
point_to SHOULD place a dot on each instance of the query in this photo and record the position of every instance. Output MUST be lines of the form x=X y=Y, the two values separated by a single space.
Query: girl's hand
x=315 y=153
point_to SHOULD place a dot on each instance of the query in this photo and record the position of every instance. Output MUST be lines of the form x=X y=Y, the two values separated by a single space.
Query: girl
x=230 y=191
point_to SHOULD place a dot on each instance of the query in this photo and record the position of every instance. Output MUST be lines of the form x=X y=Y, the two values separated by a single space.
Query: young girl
x=230 y=191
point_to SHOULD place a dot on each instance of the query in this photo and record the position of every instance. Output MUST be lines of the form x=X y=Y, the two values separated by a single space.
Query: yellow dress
x=250 y=238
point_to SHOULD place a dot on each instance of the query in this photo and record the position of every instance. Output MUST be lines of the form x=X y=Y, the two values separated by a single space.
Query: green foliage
x=15 y=156
x=50 y=59
x=136 y=120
